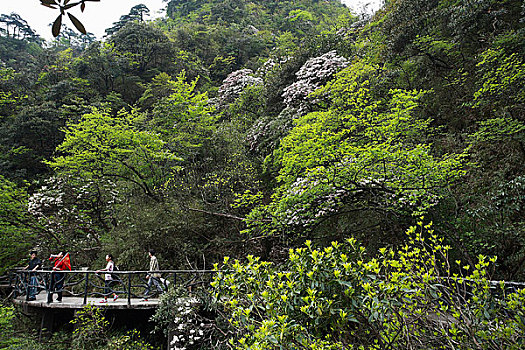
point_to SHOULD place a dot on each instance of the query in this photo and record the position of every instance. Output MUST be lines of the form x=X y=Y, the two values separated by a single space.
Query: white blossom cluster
x=315 y=72
x=234 y=85
x=267 y=131
x=59 y=205
x=329 y=198
x=271 y=65
x=44 y=200
x=187 y=331
x=329 y=201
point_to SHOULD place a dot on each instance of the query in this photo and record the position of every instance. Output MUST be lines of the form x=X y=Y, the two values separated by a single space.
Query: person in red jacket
x=60 y=262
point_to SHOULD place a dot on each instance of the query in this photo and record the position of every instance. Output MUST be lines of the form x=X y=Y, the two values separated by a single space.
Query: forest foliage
x=245 y=128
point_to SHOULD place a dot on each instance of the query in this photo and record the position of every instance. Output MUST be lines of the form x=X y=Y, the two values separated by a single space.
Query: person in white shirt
x=108 y=279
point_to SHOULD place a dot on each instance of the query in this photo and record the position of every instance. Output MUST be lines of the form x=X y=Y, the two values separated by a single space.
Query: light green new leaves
x=503 y=81
x=362 y=146
x=183 y=117
x=338 y=298
x=498 y=129
x=6 y=97
x=104 y=146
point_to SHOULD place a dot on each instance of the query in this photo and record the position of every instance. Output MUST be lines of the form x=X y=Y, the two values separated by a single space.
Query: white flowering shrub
x=181 y=318
x=314 y=73
x=271 y=65
x=75 y=211
x=186 y=330
x=48 y=198
x=235 y=84
x=266 y=132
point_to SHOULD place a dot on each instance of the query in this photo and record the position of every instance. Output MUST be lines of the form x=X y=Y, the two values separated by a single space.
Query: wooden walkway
x=85 y=287
x=78 y=303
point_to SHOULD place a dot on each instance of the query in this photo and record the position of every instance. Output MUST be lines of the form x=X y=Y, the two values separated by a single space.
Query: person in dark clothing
x=34 y=264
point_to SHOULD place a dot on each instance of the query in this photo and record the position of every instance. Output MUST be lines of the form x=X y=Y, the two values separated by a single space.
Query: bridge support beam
x=46 y=324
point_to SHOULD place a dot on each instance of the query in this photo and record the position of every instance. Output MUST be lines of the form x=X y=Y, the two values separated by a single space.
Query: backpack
x=114 y=276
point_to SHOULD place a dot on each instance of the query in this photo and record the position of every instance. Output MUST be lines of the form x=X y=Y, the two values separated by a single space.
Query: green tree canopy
x=16 y=225
x=365 y=154
x=113 y=147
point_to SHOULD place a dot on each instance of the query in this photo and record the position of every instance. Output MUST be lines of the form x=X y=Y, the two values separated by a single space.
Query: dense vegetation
x=247 y=128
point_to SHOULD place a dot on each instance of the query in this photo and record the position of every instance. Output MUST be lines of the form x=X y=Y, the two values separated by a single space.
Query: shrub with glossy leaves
x=339 y=298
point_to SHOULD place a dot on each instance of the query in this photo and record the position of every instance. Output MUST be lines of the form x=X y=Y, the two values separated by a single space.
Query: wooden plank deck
x=69 y=302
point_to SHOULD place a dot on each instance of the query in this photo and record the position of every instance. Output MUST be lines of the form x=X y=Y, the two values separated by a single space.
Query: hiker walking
x=32 y=266
x=108 y=279
x=61 y=262
x=153 y=278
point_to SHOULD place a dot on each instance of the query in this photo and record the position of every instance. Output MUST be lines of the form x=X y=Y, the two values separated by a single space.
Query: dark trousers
x=33 y=284
x=107 y=288
x=56 y=286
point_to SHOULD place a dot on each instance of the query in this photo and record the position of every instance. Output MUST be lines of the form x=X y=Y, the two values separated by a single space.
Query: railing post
x=15 y=284
x=86 y=288
x=51 y=287
x=28 y=280
x=11 y=283
x=129 y=289
x=174 y=280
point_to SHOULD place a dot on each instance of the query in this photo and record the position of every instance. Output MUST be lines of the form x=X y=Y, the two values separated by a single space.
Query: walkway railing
x=89 y=284
x=132 y=285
